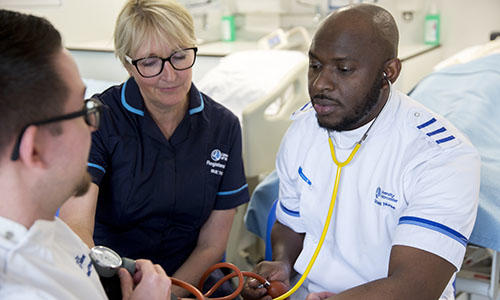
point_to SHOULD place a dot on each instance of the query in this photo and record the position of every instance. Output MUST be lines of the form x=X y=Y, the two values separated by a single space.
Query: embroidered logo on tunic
x=383 y=198
x=217 y=163
x=216 y=155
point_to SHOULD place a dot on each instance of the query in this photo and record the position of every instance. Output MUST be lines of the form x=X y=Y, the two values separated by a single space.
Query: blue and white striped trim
x=438 y=131
x=442 y=129
x=426 y=123
x=126 y=105
x=97 y=167
x=233 y=191
x=289 y=212
x=436 y=227
x=199 y=108
x=304 y=176
x=446 y=139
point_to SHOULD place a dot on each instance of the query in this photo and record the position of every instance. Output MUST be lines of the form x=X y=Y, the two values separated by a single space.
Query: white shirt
x=413 y=182
x=48 y=261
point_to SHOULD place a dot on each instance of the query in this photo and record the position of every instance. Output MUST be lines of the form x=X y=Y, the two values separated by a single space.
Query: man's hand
x=149 y=282
x=319 y=296
x=272 y=271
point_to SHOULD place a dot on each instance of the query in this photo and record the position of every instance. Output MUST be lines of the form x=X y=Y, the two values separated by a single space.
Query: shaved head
x=371 y=21
x=352 y=59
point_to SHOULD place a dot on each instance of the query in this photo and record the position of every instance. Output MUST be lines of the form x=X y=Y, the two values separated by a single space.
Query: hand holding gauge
x=107 y=262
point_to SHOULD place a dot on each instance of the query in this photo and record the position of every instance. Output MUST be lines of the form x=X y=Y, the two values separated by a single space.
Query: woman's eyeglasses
x=91 y=112
x=152 y=66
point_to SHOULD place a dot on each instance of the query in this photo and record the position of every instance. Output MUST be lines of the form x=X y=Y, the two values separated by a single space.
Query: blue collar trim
x=141 y=113
x=126 y=105
x=199 y=108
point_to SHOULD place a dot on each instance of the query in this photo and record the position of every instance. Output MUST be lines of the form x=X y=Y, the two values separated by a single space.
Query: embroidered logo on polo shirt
x=218 y=162
x=383 y=198
x=80 y=261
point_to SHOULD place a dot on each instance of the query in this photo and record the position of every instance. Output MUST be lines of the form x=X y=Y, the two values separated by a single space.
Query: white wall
x=464 y=23
x=79 y=21
x=467 y=23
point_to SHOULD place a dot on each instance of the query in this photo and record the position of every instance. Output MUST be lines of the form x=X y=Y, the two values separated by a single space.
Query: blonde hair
x=143 y=20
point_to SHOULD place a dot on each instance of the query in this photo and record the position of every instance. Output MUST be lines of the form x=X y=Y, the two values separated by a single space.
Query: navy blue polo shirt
x=155 y=194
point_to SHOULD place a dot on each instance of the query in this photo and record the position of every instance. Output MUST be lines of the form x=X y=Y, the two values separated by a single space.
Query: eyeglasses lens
x=180 y=60
x=93 y=116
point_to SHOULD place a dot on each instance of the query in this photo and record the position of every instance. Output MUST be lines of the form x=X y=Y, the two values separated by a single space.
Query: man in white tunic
x=407 y=201
x=44 y=144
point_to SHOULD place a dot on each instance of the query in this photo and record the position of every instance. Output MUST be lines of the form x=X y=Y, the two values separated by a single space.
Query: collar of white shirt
x=11 y=230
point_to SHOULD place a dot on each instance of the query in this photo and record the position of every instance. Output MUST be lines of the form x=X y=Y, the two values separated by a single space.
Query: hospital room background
x=253 y=58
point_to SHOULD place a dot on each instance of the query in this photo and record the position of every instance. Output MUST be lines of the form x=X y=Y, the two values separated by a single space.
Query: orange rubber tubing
x=188 y=287
x=236 y=272
x=200 y=296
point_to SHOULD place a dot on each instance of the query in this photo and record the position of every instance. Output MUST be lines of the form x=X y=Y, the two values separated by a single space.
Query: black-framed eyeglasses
x=152 y=66
x=91 y=112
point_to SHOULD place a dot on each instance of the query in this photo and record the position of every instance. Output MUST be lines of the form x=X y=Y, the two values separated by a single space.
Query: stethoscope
x=107 y=262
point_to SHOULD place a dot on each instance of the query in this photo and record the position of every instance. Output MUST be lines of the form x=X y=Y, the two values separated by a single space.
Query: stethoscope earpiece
x=387 y=79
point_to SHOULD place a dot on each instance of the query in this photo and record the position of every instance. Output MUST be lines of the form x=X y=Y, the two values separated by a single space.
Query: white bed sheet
x=468 y=95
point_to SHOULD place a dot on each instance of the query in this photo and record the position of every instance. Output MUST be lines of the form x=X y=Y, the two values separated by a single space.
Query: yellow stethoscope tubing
x=328 y=216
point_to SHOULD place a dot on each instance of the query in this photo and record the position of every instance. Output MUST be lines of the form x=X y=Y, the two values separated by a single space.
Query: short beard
x=83 y=186
x=360 y=112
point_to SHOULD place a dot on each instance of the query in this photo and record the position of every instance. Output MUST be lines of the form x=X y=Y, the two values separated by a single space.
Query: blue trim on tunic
x=436 y=227
x=442 y=129
x=233 y=191
x=96 y=166
x=126 y=105
x=304 y=176
x=426 y=123
x=446 y=139
x=199 y=108
x=289 y=212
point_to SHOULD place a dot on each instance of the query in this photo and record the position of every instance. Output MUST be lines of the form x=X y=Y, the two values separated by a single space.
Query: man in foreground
x=44 y=145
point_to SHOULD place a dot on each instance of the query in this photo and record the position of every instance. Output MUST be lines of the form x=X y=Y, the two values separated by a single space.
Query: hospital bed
x=466 y=90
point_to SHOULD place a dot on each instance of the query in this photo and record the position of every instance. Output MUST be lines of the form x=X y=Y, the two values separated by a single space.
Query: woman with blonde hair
x=166 y=162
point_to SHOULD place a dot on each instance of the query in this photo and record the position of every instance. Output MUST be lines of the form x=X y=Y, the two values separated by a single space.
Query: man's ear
x=392 y=69
x=30 y=151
